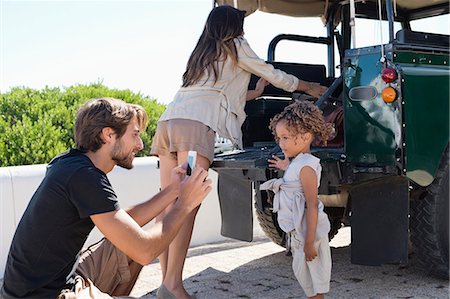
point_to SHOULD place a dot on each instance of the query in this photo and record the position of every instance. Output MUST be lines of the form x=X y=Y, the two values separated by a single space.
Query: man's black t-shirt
x=55 y=226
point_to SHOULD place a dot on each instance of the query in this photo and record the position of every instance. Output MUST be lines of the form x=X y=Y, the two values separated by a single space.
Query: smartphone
x=191 y=159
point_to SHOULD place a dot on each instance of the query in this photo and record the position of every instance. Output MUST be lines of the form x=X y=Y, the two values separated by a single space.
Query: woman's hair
x=216 y=43
x=101 y=113
x=301 y=117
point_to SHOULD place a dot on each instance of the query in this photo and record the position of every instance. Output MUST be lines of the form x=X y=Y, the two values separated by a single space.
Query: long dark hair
x=216 y=43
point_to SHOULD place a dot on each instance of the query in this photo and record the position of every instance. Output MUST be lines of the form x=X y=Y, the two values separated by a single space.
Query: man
x=75 y=195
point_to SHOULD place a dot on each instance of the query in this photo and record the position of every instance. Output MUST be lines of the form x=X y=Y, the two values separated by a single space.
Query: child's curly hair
x=301 y=117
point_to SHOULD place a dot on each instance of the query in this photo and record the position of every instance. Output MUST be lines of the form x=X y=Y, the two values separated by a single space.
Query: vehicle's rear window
x=438 y=24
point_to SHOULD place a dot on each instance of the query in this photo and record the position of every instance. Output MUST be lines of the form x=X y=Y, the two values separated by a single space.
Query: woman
x=211 y=100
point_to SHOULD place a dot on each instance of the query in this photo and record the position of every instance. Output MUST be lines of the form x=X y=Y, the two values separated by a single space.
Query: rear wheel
x=269 y=223
x=430 y=223
x=335 y=216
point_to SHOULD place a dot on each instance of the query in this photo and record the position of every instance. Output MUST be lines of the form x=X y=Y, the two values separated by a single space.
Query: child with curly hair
x=299 y=210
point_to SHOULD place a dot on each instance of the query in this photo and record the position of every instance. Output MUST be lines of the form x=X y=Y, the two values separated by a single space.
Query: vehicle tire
x=429 y=223
x=269 y=224
x=335 y=216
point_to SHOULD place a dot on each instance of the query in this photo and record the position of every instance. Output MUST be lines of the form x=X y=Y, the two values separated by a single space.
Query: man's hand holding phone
x=195 y=186
x=192 y=161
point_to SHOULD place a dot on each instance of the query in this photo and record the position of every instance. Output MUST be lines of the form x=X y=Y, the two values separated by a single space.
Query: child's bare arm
x=308 y=178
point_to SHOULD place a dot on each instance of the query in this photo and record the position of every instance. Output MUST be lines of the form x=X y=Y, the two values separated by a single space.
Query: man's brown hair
x=101 y=113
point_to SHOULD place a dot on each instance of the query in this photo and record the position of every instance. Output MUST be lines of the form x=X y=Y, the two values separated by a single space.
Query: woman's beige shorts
x=178 y=135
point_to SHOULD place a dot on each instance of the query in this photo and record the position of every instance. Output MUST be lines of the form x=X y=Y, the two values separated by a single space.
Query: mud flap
x=379 y=221
x=235 y=197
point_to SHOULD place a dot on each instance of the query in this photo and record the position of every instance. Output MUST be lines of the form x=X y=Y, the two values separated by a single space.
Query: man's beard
x=122 y=159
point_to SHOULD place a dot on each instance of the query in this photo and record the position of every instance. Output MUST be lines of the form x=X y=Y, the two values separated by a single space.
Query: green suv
x=386 y=169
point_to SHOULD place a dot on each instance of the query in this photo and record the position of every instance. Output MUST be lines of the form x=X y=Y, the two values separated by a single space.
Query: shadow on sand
x=271 y=277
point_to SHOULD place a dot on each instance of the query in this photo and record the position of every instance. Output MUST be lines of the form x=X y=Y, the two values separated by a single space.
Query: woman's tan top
x=220 y=105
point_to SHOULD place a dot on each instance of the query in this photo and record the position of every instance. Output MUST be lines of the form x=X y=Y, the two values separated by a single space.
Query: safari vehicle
x=386 y=170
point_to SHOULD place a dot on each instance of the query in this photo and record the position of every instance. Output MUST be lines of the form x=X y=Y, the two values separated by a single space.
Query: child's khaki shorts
x=314 y=276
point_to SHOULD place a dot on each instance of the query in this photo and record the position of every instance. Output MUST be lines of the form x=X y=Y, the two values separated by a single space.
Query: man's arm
x=143 y=246
x=144 y=212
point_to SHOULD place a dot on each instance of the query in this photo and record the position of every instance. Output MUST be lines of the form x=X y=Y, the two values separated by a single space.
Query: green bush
x=36 y=125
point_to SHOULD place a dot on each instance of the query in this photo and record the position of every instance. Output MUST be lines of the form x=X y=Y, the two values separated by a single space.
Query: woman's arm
x=312 y=88
x=259 y=89
x=249 y=61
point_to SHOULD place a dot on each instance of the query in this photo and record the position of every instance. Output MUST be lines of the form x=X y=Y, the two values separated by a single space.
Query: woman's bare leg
x=172 y=260
x=166 y=164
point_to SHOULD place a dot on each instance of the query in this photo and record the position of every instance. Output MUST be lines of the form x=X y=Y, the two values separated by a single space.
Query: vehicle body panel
x=372 y=127
x=426 y=96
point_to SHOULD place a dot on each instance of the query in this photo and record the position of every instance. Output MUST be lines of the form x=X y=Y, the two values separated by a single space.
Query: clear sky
x=137 y=45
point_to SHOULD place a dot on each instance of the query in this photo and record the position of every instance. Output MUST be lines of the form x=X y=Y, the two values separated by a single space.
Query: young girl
x=211 y=100
x=300 y=213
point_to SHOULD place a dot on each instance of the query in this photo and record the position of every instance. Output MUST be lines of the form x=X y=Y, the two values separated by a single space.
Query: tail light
x=389 y=94
x=389 y=75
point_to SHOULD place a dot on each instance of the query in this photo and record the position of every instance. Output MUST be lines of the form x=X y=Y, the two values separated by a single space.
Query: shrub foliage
x=36 y=125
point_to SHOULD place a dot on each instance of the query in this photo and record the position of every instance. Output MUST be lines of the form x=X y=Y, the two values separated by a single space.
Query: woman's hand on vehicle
x=258 y=91
x=260 y=85
x=316 y=90
x=312 y=88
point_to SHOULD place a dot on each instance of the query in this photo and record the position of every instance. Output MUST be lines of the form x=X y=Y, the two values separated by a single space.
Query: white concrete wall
x=17 y=185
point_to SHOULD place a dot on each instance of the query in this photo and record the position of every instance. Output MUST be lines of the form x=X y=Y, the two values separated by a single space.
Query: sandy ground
x=260 y=269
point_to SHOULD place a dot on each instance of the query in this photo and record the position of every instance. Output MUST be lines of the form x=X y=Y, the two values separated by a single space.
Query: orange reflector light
x=388 y=75
x=389 y=94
